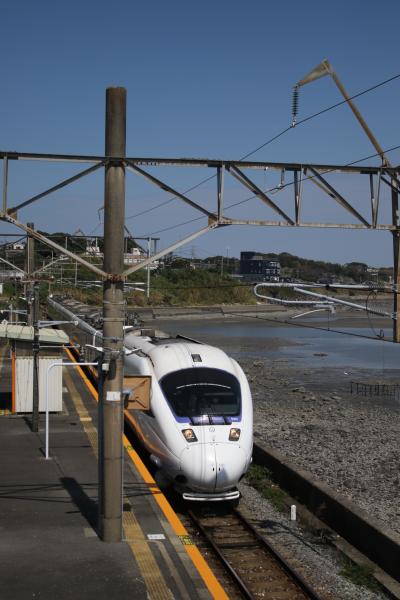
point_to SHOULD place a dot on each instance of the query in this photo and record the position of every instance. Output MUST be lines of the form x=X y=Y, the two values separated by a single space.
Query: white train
x=198 y=422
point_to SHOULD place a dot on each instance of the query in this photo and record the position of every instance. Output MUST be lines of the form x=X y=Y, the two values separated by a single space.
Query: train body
x=198 y=423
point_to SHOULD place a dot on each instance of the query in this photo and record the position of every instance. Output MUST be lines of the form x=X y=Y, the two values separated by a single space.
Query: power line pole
x=396 y=261
x=29 y=268
x=32 y=296
x=36 y=348
x=111 y=376
x=148 y=268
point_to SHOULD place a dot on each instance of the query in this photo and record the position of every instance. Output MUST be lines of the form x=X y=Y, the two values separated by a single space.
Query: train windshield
x=202 y=391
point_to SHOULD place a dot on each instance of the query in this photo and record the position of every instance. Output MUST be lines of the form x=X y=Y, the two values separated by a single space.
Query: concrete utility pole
x=396 y=261
x=110 y=396
x=148 y=268
x=29 y=268
x=36 y=348
x=32 y=296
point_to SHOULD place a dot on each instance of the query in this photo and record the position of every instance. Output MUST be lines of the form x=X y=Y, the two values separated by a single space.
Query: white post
x=94 y=337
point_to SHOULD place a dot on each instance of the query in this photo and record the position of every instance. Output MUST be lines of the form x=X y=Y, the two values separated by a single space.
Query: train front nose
x=213 y=467
x=199 y=466
x=231 y=464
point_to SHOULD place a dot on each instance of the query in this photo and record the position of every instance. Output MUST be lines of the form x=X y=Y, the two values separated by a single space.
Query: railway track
x=254 y=567
x=378 y=544
x=246 y=564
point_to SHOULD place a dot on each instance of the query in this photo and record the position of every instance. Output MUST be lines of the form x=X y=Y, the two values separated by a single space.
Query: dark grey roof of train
x=92 y=315
x=178 y=339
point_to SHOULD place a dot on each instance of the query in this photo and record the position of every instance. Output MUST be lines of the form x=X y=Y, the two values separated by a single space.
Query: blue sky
x=204 y=79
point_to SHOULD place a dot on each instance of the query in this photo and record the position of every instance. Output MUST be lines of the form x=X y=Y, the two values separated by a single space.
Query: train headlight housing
x=234 y=434
x=189 y=435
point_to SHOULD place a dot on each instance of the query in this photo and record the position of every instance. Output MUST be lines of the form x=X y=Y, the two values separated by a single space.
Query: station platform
x=49 y=547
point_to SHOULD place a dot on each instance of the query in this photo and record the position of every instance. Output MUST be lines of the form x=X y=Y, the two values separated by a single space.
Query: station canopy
x=25 y=333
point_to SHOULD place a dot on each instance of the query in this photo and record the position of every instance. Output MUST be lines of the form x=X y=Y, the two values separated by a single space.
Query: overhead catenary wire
x=306 y=326
x=170 y=199
x=291 y=183
x=321 y=112
x=275 y=137
x=255 y=150
x=281 y=187
x=269 y=141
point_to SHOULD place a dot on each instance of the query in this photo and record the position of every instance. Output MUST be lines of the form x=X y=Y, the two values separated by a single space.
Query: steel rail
x=311 y=593
x=381 y=544
x=238 y=580
x=266 y=546
x=288 y=570
x=376 y=541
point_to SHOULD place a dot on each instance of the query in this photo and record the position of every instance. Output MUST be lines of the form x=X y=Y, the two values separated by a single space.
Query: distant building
x=92 y=248
x=255 y=267
x=10 y=275
x=136 y=256
x=18 y=246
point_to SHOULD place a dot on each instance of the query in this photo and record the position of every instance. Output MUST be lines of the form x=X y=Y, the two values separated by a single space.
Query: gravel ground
x=317 y=562
x=347 y=441
x=308 y=414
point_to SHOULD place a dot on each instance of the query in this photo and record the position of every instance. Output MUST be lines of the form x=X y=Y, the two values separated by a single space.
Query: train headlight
x=234 y=434
x=189 y=435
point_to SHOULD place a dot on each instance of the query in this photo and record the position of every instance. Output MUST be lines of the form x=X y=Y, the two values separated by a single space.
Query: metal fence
x=387 y=390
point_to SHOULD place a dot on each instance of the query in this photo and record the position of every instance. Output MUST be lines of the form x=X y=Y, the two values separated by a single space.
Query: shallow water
x=297 y=344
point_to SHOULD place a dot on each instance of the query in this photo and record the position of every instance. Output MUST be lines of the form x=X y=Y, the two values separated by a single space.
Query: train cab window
x=202 y=391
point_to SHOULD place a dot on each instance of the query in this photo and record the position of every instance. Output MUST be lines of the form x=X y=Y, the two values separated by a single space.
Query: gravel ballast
x=304 y=409
x=318 y=563
x=349 y=442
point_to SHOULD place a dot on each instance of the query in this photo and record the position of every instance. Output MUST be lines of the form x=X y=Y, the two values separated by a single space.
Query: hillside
x=306 y=269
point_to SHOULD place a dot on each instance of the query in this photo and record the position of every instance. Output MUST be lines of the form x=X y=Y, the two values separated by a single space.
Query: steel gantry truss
x=378 y=177
x=315 y=173
x=115 y=164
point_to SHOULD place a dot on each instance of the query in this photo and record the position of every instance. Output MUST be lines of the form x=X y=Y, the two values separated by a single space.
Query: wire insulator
x=295 y=104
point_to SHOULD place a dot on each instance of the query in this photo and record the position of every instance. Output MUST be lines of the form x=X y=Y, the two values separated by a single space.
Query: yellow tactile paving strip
x=156 y=587
x=134 y=535
x=213 y=585
x=83 y=414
